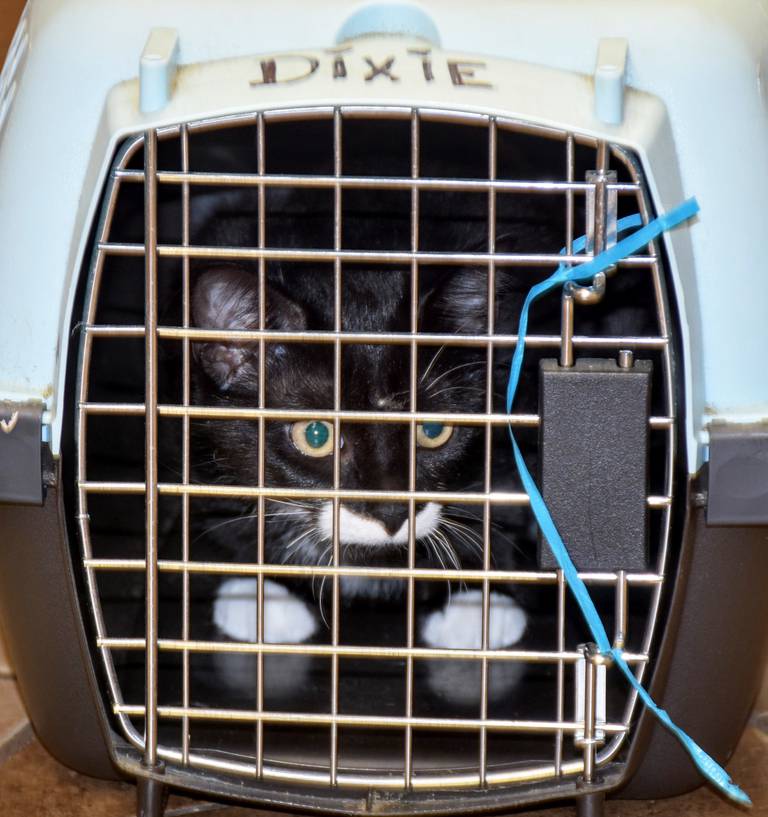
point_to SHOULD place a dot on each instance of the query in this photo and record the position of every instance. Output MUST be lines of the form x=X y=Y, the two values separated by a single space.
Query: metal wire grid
x=260 y=766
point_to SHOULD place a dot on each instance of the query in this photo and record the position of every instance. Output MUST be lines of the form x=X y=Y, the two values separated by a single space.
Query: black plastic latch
x=738 y=475
x=21 y=453
x=593 y=440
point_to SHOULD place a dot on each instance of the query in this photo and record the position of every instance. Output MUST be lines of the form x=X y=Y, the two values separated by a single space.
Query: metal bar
x=589 y=741
x=226 y=413
x=251 y=569
x=468 y=498
x=151 y=492
x=566 y=303
x=185 y=467
x=83 y=516
x=368 y=182
x=414 y=372
x=365 y=721
x=423 y=781
x=348 y=651
x=560 y=701
x=566 y=322
x=487 y=486
x=620 y=636
x=261 y=509
x=90 y=316
x=337 y=364
x=390 y=112
x=230 y=335
x=394 y=257
x=217 y=412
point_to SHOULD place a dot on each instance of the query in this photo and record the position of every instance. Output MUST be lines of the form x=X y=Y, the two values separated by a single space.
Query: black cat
x=374 y=377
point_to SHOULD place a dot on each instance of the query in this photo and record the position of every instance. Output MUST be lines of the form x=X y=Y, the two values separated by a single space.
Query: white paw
x=287 y=619
x=459 y=625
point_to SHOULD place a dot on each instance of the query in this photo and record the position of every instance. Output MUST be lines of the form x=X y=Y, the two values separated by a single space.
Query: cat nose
x=391 y=516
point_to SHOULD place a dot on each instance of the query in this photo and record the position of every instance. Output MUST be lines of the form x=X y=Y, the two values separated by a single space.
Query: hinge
x=21 y=453
x=738 y=474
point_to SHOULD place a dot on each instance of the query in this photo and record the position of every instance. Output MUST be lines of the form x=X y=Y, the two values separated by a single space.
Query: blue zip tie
x=584 y=272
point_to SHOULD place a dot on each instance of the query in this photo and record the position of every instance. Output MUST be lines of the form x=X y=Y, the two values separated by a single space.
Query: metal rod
x=566 y=304
x=487 y=459
x=384 y=257
x=423 y=781
x=185 y=520
x=252 y=335
x=590 y=713
x=261 y=509
x=251 y=569
x=620 y=637
x=337 y=370
x=243 y=491
x=355 y=651
x=367 y=182
x=365 y=721
x=151 y=492
x=216 y=412
x=566 y=323
x=560 y=701
x=414 y=373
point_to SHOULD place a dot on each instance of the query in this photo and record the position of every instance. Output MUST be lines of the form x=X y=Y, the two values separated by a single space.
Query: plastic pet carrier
x=263 y=531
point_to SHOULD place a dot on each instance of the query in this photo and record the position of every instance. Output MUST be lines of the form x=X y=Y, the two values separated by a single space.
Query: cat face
x=374 y=378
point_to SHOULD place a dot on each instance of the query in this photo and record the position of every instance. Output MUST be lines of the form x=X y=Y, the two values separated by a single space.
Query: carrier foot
x=150 y=797
x=590 y=805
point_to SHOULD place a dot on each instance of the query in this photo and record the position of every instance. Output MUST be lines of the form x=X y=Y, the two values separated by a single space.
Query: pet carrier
x=263 y=536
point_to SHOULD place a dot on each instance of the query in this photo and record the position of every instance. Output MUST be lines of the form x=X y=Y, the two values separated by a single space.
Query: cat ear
x=228 y=298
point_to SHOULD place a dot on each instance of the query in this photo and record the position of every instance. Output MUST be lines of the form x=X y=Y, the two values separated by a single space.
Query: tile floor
x=33 y=783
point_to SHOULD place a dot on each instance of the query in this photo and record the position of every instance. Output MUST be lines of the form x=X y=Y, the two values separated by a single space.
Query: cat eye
x=313 y=438
x=433 y=435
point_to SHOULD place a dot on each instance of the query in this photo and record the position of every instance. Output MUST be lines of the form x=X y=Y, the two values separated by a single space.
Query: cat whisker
x=433 y=549
x=498 y=529
x=452 y=555
x=211 y=461
x=448 y=549
x=218 y=525
x=466 y=535
x=293 y=503
x=468 y=539
x=295 y=541
x=322 y=583
x=432 y=363
x=448 y=389
x=451 y=371
x=286 y=513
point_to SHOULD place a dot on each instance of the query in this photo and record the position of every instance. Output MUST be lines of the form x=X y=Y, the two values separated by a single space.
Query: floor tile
x=33 y=783
x=5 y=665
x=14 y=726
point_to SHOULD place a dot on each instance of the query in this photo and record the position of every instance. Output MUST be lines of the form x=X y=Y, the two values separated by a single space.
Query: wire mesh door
x=336 y=444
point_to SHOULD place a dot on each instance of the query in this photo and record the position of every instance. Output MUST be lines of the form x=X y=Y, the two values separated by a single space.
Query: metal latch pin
x=601 y=218
x=590 y=705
